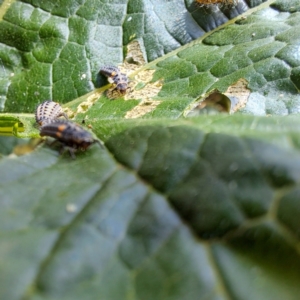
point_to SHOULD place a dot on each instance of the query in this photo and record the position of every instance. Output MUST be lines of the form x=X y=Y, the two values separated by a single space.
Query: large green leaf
x=54 y=50
x=176 y=213
x=172 y=207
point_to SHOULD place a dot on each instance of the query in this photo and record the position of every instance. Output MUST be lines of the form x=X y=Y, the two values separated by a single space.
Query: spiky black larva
x=116 y=77
x=72 y=136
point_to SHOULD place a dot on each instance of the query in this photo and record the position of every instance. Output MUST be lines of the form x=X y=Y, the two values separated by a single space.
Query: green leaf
x=261 y=50
x=173 y=207
x=57 y=49
x=173 y=214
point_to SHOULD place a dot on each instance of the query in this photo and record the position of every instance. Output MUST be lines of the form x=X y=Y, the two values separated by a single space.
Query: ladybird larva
x=48 y=111
x=121 y=82
x=72 y=136
x=209 y=2
x=115 y=76
x=109 y=71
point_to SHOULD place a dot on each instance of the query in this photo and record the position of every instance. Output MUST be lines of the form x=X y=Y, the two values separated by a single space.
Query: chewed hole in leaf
x=235 y=98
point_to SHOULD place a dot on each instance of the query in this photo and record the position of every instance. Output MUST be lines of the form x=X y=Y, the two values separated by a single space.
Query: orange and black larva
x=115 y=76
x=109 y=71
x=72 y=136
x=210 y=2
x=48 y=111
